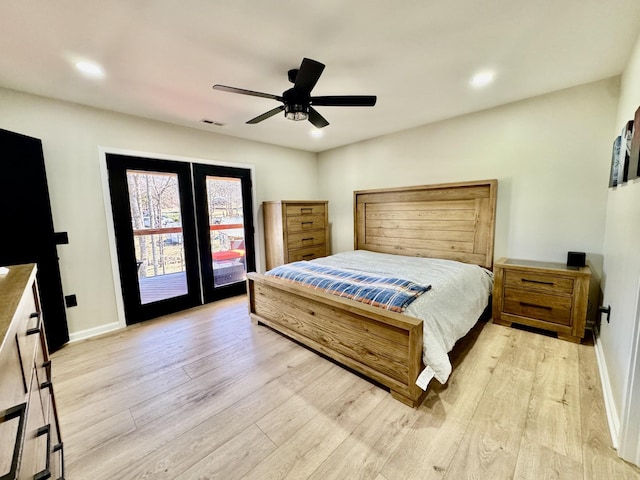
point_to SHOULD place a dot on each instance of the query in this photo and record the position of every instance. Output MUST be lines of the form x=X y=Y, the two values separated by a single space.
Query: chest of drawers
x=545 y=295
x=30 y=443
x=295 y=230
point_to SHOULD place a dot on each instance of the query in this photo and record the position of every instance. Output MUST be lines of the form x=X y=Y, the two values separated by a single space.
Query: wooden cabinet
x=30 y=442
x=544 y=295
x=295 y=230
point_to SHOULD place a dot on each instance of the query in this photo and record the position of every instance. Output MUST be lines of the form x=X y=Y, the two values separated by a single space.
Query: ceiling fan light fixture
x=296 y=112
x=297 y=116
x=297 y=101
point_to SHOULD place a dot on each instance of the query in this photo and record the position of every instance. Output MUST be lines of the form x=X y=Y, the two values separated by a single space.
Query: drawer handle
x=46 y=473
x=33 y=331
x=540 y=282
x=36 y=329
x=307 y=223
x=60 y=448
x=307 y=255
x=19 y=411
x=525 y=304
x=307 y=239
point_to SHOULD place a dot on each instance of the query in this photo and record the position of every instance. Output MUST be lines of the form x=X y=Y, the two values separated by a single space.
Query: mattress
x=459 y=294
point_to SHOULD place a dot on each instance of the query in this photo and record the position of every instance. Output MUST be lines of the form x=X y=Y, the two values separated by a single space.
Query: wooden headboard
x=454 y=221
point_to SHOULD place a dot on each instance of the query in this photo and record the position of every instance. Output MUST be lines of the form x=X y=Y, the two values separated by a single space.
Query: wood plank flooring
x=205 y=394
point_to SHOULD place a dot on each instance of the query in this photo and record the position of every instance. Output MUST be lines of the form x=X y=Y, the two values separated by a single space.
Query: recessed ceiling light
x=90 y=69
x=316 y=133
x=482 y=79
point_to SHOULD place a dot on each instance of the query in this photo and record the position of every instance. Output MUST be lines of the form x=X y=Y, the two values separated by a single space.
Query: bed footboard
x=382 y=345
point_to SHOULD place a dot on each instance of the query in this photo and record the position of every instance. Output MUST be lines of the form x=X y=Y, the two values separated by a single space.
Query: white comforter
x=458 y=296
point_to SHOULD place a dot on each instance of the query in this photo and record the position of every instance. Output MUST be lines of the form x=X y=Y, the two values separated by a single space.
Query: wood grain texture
x=454 y=221
x=543 y=295
x=284 y=412
x=451 y=221
x=383 y=345
x=25 y=383
x=295 y=230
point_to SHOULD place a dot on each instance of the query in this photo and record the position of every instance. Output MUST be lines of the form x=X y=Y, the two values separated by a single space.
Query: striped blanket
x=390 y=293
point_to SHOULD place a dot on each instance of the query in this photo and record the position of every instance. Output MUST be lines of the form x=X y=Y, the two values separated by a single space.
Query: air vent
x=212 y=122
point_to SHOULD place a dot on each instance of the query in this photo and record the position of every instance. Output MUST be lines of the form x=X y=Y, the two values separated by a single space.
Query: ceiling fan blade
x=308 y=75
x=316 y=119
x=269 y=114
x=345 y=101
x=242 y=91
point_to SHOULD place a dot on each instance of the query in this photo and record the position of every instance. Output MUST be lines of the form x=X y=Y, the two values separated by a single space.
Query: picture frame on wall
x=615 y=162
x=625 y=152
x=634 y=153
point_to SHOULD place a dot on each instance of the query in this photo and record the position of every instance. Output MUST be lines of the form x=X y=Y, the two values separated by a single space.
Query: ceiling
x=161 y=57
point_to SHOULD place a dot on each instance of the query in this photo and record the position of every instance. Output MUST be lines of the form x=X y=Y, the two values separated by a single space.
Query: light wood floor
x=206 y=394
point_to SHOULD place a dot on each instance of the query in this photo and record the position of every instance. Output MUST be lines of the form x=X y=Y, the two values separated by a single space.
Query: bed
x=454 y=222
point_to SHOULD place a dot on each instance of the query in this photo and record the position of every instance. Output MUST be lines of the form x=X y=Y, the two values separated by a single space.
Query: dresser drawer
x=306 y=239
x=540 y=306
x=30 y=444
x=37 y=438
x=538 y=282
x=297 y=210
x=14 y=376
x=303 y=223
x=307 y=253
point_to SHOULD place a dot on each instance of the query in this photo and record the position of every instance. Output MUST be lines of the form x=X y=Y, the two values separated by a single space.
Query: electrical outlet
x=70 y=301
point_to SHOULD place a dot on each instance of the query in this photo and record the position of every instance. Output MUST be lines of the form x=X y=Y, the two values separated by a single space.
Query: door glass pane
x=157 y=232
x=226 y=226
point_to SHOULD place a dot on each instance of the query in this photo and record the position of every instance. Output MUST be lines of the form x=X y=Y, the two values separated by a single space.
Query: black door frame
x=200 y=173
x=134 y=310
x=192 y=184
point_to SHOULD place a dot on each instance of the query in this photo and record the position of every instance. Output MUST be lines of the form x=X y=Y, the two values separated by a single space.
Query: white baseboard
x=92 y=332
x=612 y=414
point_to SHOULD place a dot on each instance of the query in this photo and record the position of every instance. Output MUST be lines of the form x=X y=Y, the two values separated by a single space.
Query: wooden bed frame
x=454 y=221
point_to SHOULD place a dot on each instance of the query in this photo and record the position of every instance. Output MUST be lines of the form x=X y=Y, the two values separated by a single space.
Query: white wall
x=549 y=154
x=71 y=136
x=622 y=269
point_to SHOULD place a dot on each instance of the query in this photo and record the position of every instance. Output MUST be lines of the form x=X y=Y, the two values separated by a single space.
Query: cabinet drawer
x=307 y=253
x=12 y=425
x=56 y=453
x=538 y=282
x=541 y=306
x=36 y=439
x=297 y=210
x=14 y=375
x=43 y=376
x=306 y=239
x=305 y=222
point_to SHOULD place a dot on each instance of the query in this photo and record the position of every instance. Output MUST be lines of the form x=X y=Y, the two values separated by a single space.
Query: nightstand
x=545 y=295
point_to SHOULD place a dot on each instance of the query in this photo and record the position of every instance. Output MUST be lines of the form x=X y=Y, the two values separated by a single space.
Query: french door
x=184 y=233
x=223 y=203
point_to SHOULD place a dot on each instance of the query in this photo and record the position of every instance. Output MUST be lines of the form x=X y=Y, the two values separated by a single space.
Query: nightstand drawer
x=296 y=210
x=541 y=306
x=305 y=222
x=307 y=253
x=306 y=239
x=538 y=282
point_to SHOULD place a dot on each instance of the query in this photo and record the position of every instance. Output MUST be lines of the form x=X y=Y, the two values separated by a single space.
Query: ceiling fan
x=297 y=101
